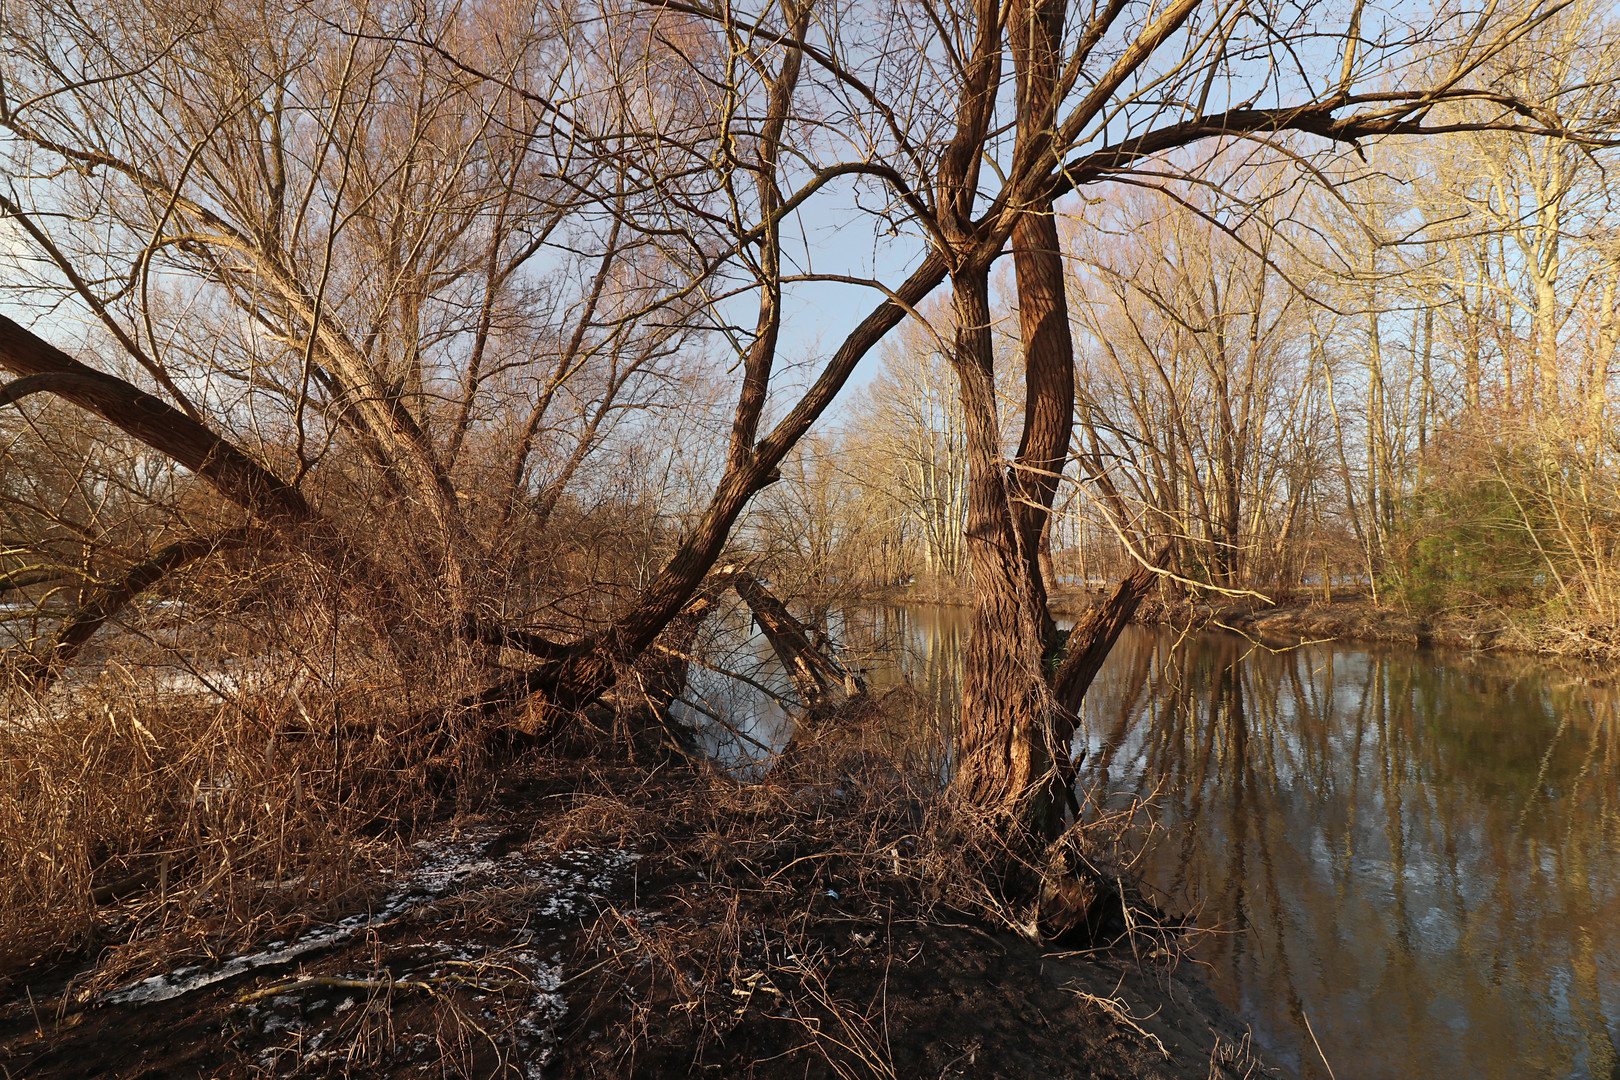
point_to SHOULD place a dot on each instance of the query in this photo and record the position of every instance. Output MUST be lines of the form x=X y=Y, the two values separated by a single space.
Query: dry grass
x=446 y=1017
x=768 y=859
x=207 y=821
x=759 y=907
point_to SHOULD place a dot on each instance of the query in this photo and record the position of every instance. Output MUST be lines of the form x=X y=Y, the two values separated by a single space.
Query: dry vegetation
x=225 y=819
x=401 y=384
x=806 y=920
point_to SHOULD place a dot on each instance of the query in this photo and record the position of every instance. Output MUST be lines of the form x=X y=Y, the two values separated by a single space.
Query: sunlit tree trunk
x=1004 y=741
x=999 y=736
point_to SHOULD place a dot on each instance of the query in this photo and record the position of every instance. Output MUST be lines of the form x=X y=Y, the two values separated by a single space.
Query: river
x=1407 y=857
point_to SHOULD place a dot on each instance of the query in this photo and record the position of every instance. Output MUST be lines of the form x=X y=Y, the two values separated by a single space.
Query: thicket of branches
x=452 y=339
x=1405 y=385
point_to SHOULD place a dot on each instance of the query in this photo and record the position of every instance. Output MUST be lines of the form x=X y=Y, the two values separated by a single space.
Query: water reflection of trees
x=742 y=701
x=1415 y=852
x=1418 y=851
x=920 y=646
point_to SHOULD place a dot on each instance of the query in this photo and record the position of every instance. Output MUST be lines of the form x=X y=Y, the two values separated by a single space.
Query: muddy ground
x=693 y=927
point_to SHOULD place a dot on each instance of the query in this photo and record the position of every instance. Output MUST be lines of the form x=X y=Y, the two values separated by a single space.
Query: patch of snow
x=183 y=981
x=539 y=1024
x=438 y=872
x=577 y=878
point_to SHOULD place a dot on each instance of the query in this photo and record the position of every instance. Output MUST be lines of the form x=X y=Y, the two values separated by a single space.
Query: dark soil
x=691 y=927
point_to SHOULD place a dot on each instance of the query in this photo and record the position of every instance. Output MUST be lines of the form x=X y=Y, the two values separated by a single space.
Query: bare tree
x=366 y=288
x=908 y=444
x=1470 y=295
x=374 y=204
x=1197 y=401
x=1154 y=88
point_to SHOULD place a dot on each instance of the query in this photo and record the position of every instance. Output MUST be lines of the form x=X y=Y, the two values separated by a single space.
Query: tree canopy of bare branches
x=404 y=287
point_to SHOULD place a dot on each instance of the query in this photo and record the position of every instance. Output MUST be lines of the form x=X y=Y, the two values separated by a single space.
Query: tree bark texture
x=1036 y=33
x=1000 y=742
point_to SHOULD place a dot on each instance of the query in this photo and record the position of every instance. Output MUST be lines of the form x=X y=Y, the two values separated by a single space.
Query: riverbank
x=1352 y=618
x=613 y=921
x=1361 y=620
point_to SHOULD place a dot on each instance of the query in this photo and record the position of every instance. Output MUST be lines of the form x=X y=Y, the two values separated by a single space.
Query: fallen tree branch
x=113 y=597
x=292 y=986
x=820 y=681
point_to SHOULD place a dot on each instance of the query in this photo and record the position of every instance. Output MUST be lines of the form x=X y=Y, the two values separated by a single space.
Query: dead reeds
x=177 y=822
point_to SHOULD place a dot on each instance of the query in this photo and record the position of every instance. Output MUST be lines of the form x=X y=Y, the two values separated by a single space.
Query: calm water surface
x=1414 y=850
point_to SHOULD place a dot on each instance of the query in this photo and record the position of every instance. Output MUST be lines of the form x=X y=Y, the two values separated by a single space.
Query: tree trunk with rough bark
x=1006 y=745
x=1001 y=753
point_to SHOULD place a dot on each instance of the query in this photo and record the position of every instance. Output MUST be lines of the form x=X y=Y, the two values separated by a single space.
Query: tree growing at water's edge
x=408 y=289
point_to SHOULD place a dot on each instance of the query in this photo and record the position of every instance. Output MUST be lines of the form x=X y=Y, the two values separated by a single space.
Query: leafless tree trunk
x=401 y=240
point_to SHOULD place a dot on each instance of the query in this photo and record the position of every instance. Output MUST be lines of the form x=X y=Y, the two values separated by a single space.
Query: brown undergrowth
x=181 y=824
x=810 y=918
x=1481 y=629
x=616 y=913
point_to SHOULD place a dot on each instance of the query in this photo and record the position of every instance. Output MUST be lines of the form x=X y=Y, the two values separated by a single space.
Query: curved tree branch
x=191 y=444
x=152 y=422
x=113 y=597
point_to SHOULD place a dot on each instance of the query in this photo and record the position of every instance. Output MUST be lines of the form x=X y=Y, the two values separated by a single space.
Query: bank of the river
x=1353 y=618
x=603 y=921
x=1360 y=619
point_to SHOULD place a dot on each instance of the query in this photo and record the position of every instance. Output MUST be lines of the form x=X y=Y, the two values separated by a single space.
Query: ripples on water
x=1414 y=849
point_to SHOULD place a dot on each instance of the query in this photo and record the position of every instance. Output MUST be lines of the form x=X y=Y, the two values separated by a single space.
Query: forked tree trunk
x=1000 y=741
x=1089 y=643
x=1004 y=739
x=1019 y=707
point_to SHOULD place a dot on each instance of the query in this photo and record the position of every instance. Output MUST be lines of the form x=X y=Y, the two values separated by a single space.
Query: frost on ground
x=537 y=1027
x=443 y=866
x=512 y=999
